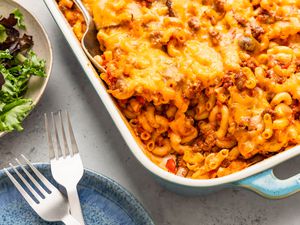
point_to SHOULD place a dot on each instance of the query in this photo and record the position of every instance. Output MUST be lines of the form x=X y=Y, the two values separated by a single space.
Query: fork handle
x=70 y=220
x=75 y=204
x=84 y=11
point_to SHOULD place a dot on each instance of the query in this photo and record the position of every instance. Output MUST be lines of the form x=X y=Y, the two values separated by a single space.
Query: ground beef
x=206 y=2
x=208 y=143
x=193 y=90
x=194 y=23
x=241 y=20
x=297 y=65
x=180 y=161
x=265 y=16
x=296 y=109
x=214 y=35
x=208 y=138
x=170 y=9
x=147 y=3
x=155 y=38
x=225 y=163
x=240 y=80
x=257 y=31
x=269 y=111
x=297 y=116
x=227 y=81
x=251 y=63
x=220 y=5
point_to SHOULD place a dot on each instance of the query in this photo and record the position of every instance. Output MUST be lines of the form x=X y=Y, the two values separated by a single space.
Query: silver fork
x=49 y=204
x=66 y=164
x=89 y=42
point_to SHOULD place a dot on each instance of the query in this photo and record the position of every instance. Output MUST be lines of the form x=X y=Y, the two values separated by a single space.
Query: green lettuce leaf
x=20 y=19
x=33 y=65
x=14 y=86
x=5 y=54
x=12 y=114
x=3 y=34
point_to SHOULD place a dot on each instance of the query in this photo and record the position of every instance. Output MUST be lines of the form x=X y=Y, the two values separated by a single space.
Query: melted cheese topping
x=209 y=86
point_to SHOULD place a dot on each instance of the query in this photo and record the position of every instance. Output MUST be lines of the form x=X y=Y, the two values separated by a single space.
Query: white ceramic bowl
x=258 y=178
x=42 y=48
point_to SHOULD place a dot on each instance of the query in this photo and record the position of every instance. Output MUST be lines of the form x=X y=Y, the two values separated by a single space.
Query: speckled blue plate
x=104 y=202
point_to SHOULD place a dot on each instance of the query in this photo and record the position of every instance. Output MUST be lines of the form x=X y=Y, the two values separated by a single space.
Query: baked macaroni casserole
x=210 y=87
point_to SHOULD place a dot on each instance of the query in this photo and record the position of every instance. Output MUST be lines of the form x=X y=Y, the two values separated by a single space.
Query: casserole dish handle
x=269 y=186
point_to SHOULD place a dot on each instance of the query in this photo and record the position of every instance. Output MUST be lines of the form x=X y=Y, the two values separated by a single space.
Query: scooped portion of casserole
x=209 y=86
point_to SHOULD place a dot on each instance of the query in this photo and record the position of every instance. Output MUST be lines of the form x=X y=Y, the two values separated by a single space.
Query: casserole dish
x=256 y=177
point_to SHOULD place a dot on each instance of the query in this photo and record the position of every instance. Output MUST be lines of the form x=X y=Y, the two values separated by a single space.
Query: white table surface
x=103 y=150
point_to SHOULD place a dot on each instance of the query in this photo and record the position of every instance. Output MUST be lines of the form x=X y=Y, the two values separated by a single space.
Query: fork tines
x=56 y=151
x=32 y=188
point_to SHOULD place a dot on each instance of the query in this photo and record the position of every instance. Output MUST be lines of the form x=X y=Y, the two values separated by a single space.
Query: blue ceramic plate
x=104 y=202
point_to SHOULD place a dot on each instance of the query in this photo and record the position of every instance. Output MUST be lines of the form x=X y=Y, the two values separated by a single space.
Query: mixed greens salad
x=17 y=64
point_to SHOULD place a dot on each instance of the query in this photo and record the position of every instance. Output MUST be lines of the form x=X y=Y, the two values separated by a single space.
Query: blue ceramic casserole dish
x=258 y=177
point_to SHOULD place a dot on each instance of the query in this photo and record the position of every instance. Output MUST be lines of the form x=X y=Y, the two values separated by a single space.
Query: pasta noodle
x=212 y=85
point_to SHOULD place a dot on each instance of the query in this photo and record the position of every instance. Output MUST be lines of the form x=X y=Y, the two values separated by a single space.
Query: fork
x=66 y=164
x=89 y=42
x=49 y=204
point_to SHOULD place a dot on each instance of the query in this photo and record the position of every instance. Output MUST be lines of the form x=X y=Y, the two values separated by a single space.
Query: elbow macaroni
x=212 y=85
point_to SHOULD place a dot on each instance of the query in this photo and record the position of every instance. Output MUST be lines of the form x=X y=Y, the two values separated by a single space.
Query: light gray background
x=103 y=150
